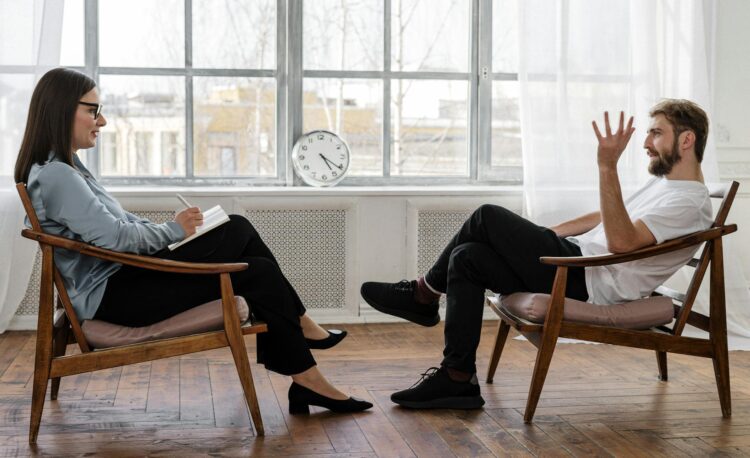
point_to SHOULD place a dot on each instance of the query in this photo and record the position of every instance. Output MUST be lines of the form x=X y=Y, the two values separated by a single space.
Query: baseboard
x=23 y=323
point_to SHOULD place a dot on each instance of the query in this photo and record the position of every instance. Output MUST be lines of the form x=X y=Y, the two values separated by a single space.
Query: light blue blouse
x=69 y=202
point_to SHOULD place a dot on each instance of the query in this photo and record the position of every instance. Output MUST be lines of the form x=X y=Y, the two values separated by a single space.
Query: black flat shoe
x=301 y=398
x=334 y=337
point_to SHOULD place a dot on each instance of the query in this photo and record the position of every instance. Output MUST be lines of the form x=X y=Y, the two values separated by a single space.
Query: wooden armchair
x=662 y=339
x=58 y=327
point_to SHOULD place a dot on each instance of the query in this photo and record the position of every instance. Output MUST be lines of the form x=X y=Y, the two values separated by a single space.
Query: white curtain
x=30 y=36
x=579 y=58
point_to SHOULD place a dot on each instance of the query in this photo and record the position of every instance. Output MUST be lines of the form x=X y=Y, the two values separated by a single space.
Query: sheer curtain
x=30 y=36
x=581 y=57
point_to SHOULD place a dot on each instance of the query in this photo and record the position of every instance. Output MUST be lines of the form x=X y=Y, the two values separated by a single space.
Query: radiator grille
x=310 y=246
x=435 y=228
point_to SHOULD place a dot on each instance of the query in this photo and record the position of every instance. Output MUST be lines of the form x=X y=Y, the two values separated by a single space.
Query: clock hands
x=328 y=162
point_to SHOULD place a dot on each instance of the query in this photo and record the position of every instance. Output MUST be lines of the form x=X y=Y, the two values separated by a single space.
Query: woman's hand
x=189 y=219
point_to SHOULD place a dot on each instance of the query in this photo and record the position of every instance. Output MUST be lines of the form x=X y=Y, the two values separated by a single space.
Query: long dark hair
x=49 y=126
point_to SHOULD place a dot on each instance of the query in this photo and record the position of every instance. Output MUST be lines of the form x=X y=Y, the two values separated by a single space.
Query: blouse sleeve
x=69 y=201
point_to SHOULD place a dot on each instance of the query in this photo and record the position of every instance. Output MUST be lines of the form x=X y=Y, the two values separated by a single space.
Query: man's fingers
x=606 y=124
x=621 y=125
x=596 y=131
x=630 y=125
x=630 y=134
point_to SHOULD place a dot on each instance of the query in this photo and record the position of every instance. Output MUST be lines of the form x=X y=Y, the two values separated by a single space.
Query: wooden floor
x=598 y=400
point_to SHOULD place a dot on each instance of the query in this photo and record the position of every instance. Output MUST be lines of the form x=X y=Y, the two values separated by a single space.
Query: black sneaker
x=397 y=299
x=436 y=390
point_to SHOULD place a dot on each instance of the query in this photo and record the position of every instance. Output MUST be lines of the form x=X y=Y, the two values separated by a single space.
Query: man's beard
x=662 y=164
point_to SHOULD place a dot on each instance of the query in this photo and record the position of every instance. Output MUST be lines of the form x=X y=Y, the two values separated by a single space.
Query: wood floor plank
x=383 y=437
x=693 y=446
x=529 y=435
x=21 y=368
x=455 y=433
x=492 y=435
x=195 y=386
x=421 y=438
x=345 y=435
x=571 y=439
x=12 y=344
x=228 y=400
x=164 y=387
x=132 y=391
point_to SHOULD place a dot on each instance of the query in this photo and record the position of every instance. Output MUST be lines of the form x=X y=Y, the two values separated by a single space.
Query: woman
x=65 y=116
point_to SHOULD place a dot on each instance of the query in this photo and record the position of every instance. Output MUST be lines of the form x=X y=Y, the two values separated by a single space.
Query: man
x=499 y=250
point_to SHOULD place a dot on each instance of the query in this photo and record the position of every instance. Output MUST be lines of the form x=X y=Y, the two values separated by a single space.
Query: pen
x=182 y=199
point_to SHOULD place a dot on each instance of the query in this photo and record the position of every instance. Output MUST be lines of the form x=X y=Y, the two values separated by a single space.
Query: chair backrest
x=725 y=192
x=62 y=293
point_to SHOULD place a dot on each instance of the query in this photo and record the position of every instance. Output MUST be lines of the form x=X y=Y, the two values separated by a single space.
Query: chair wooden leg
x=661 y=361
x=543 y=359
x=718 y=329
x=59 y=345
x=547 y=342
x=502 y=335
x=239 y=353
x=43 y=358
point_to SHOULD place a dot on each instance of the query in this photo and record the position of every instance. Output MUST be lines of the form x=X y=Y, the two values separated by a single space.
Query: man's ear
x=686 y=140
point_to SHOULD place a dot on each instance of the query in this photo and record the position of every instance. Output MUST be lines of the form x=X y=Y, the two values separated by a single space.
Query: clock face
x=320 y=158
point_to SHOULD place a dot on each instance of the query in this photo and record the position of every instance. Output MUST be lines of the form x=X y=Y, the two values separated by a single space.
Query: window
x=423 y=91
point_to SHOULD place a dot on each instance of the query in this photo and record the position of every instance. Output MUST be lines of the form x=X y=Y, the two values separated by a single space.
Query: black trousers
x=139 y=297
x=498 y=250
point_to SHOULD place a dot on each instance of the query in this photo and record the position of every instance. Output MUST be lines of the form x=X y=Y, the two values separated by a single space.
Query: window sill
x=305 y=191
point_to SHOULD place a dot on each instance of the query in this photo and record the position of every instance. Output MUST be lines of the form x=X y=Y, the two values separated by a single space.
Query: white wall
x=731 y=113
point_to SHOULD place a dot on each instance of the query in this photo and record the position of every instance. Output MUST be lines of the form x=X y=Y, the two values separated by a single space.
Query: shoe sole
x=459 y=402
x=413 y=317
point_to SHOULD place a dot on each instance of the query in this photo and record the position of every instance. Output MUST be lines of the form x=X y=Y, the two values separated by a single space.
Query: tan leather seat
x=204 y=318
x=641 y=314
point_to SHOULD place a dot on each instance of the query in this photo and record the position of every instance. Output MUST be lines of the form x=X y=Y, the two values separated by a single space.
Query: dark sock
x=458 y=376
x=423 y=294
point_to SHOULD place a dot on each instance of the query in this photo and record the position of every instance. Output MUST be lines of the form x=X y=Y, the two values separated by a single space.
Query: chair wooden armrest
x=146 y=262
x=646 y=252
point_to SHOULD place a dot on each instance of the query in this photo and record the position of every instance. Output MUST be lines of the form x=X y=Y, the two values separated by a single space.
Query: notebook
x=213 y=217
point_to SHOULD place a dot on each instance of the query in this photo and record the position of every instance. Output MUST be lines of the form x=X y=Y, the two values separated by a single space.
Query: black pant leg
x=498 y=250
x=139 y=297
x=473 y=267
x=517 y=240
x=230 y=242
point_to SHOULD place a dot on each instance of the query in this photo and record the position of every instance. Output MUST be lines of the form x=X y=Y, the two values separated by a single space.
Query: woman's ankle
x=313 y=380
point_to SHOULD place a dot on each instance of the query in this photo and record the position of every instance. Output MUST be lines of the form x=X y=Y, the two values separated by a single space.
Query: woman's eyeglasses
x=98 y=107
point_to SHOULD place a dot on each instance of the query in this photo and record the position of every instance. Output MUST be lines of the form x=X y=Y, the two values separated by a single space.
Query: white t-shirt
x=670 y=209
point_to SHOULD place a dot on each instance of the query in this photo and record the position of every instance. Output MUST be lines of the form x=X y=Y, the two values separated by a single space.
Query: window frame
x=289 y=76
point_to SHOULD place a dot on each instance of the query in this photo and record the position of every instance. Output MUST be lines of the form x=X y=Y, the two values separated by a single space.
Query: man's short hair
x=685 y=115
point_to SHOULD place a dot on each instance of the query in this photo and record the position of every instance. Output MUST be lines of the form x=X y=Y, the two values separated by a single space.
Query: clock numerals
x=309 y=139
x=342 y=156
x=338 y=146
x=301 y=157
x=321 y=136
x=305 y=167
x=304 y=147
x=334 y=174
x=324 y=178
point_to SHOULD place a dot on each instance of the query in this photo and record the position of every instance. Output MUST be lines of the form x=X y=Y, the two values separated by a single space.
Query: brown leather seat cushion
x=206 y=317
x=640 y=314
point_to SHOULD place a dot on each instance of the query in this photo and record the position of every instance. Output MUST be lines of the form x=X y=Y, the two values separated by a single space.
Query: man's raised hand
x=612 y=145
